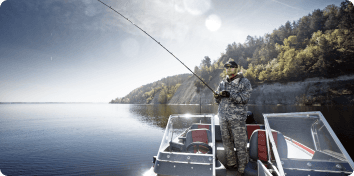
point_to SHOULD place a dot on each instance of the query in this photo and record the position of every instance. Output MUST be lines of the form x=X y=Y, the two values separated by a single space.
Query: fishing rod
x=157 y=43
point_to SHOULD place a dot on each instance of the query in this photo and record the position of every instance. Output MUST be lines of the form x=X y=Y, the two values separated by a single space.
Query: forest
x=319 y=44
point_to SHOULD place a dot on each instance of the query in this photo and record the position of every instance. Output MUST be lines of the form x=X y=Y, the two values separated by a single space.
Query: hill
x=163 y=89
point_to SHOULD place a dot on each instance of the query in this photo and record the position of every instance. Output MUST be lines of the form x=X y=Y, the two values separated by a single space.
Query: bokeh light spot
x=213 y=22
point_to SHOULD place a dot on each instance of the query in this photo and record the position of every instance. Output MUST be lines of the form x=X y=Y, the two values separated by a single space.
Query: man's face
x=230 y=71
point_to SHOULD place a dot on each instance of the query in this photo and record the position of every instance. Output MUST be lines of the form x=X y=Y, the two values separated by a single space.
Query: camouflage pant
x=237 y=129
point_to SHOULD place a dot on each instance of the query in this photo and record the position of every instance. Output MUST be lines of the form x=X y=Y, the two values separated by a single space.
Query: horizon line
x=52 y=102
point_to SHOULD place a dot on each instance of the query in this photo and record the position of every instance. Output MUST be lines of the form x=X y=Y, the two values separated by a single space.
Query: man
x=232 y=96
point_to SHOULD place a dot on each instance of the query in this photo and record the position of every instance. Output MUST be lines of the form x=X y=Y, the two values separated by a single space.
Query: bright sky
x=81 y=51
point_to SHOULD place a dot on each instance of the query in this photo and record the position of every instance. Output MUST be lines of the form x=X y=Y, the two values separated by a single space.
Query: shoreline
x=54 y=103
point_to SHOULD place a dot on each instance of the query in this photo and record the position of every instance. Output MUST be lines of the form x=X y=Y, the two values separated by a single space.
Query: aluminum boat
x=299 y=143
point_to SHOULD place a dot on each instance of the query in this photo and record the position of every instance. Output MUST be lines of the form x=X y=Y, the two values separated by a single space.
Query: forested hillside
x=317 y=45
x=166 y=88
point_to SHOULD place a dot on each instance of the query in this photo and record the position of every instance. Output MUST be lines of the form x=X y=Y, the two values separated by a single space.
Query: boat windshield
x=188 y=139
x=311 y=142
x=180 y=124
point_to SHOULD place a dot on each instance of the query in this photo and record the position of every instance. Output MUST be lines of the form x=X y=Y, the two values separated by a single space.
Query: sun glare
x=213 y=22
x=150 y=172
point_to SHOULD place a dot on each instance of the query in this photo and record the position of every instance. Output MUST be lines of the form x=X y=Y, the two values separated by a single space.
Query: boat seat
x=200 y=126
x=258 y=150
x=195 y=136
x=251 y=128
x=196 y=126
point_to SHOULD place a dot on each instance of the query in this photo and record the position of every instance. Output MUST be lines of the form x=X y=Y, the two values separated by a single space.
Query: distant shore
x=54 y=103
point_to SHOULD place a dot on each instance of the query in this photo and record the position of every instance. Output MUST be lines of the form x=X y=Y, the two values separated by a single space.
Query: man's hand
x=217 y=95
x=225 y=94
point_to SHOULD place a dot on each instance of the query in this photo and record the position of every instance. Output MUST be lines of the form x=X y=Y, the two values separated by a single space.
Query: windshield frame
x=269 y=136
x=169 y=127
x=310 y=114
x=262 y=170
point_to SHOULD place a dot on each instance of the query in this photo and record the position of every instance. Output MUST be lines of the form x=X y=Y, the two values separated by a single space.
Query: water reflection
x=157 y=115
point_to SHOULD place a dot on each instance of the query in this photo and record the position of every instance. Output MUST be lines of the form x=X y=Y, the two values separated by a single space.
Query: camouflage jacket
x=235 y=106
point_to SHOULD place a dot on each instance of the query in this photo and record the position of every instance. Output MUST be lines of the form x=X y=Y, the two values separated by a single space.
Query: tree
x=330 y=14
x=229 y=50
x=199 y=84
x=275 y=38
x=196 y=70
x=282 y=32
x=346 y=14
x=294 y=28
x=250 y=41
x=242 y=62
x=291 y=41
x=303 y=31
x=317 y=21
x=163 y=96
x=250 y=74
x=288 y=29
x=206 y=61
x=203 y=73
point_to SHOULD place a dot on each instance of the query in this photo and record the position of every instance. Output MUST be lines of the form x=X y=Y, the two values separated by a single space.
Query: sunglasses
x=227 y=67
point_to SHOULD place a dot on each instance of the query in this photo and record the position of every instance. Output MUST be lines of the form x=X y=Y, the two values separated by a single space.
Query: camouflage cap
x=231 y=63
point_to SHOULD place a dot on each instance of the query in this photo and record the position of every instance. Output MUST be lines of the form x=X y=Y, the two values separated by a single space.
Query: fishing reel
x=225 y=94
x=222 y=94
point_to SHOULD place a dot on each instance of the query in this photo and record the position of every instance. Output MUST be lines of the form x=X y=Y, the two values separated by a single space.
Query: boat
x=296 y=143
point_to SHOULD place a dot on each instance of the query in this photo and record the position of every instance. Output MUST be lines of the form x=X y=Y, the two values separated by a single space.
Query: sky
x=82 y=51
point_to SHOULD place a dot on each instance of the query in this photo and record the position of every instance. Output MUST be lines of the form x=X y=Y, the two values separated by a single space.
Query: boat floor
x=224 y=172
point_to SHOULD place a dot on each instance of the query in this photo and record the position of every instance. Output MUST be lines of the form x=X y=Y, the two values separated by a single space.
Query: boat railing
x=178 y=135
x=270 y=138
x=310 y=133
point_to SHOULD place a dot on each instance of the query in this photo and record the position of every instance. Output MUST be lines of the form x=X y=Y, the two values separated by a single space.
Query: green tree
x=346 y=14
x=304 y=31
x=317 y=21
x=163 y=96
x=206 y=61
x=330 y=14
x=291 y=41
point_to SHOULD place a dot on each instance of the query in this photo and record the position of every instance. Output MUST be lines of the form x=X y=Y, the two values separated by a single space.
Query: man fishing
x=232 y=96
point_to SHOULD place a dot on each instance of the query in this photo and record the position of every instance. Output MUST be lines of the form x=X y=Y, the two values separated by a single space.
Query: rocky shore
x=312 y=91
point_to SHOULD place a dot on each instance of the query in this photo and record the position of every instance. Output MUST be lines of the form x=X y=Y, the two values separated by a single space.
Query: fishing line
x=157 y=43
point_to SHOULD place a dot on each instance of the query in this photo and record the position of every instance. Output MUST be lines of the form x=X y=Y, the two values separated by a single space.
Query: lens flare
x=213 y=22
x=150 y=172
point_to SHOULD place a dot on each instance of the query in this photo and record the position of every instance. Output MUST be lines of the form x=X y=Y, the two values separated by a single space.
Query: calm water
x=108 y=139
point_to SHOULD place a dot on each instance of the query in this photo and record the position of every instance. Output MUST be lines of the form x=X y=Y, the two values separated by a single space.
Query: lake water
x=109 y=139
